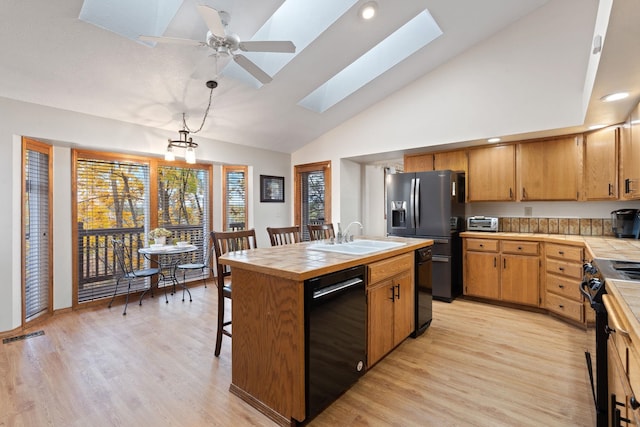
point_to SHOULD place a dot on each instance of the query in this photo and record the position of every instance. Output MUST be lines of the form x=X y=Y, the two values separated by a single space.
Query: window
x=36 y=229
x=183 y=200
x=111 y=202
x=234 y=197
x=313 y=195
x=115 y=198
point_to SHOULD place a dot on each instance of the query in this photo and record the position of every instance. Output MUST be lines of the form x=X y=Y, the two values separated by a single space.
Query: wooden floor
x=477 y=365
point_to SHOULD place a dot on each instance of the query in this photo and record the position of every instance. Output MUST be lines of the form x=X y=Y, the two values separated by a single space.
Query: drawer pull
x=482 y=245
x=560 y=252
x=561 y=306
x=561 y=286
x=561 y=268
x=519 y=248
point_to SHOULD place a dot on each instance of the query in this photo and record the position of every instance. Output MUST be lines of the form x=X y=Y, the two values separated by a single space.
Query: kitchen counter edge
x=299 y=262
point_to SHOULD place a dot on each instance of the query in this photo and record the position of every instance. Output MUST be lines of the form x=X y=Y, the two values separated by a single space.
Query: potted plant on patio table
x=159 y=235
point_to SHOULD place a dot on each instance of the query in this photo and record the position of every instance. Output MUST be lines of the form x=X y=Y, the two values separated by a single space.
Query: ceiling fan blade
x=268 y=46
x=212 y=19
x=252 y=69
x=173 y=40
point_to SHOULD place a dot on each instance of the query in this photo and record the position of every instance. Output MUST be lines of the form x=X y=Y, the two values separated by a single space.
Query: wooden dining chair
x=320 y=231
x=224 y=242
x=284 y=235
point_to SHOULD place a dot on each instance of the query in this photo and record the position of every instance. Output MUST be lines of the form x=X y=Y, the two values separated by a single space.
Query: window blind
x=183 y=209
x=37 y=267
x=235 y=198
x=112 y=203
x=312 y=193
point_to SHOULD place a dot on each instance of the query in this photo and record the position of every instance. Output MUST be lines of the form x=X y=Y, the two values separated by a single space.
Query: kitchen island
x=268 y=318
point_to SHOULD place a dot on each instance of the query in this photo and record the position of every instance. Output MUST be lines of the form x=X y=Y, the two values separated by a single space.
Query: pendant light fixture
x=185 y=140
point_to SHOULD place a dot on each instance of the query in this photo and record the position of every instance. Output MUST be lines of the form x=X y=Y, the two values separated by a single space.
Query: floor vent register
x=22 y=337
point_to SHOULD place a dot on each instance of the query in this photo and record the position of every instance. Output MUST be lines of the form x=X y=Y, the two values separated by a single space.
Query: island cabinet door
x=381 y=323
x=403 y=307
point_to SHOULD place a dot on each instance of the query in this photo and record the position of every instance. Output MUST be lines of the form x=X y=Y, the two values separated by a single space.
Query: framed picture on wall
x=271 y=188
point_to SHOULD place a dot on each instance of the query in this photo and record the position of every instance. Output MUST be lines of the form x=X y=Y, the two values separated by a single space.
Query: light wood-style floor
x=477 y=365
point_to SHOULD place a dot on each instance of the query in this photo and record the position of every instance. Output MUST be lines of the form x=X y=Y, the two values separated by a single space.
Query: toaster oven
x=482 y=223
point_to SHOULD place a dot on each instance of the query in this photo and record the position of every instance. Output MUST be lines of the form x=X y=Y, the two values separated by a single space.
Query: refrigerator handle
x=416 y=205
x=412 y=202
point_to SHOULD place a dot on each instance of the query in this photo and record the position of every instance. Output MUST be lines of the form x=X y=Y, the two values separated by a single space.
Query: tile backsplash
x=577 y=226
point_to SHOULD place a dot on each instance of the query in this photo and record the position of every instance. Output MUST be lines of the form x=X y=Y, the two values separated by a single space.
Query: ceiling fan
x=227 y=44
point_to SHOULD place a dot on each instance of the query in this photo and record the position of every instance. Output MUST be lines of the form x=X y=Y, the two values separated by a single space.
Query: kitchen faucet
x=344 y=237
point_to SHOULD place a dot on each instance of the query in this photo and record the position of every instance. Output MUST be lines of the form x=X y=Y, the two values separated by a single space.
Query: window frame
x=33 y=145
x=225 y=200
x=153 y=164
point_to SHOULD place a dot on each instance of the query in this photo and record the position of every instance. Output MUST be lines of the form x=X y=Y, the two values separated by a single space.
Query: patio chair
x=202 y=266
x=124 y=263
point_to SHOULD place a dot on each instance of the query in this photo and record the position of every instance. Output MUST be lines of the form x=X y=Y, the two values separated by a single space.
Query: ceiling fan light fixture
x=368 y=10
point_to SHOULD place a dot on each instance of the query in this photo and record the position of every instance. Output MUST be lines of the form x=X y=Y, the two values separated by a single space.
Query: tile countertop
x=626 y=292
x=597 y=246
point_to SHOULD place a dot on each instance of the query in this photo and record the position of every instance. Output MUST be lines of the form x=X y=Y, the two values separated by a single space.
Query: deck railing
x=96 y=259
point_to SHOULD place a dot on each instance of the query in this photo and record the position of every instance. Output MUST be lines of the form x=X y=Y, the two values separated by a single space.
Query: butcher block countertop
x=300 y=261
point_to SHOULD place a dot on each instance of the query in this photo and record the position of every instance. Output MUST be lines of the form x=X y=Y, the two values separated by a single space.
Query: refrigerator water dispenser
x=399 y=214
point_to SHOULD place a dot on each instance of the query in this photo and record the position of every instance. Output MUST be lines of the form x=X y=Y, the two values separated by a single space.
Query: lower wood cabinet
x=562 y=281
x=502 y=270
x=623 y=364
x=390 y=294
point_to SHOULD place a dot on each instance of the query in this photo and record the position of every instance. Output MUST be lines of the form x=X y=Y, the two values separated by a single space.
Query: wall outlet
x=528 y=211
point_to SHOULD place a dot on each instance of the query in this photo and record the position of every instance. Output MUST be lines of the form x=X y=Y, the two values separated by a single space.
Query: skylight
x=404 y=42
x=300 y=21
x=130 y=19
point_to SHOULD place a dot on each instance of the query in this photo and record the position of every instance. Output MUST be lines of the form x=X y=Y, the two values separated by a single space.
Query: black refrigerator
x=431 y=205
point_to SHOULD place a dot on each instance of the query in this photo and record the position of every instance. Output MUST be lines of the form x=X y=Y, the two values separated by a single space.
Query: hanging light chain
x=206 y=112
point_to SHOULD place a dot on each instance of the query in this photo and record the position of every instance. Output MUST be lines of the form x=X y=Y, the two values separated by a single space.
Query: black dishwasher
x=335 y=335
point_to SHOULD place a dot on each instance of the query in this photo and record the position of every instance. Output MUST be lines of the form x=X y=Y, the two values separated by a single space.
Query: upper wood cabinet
x=601 y=164
x=630 y=156
x=550 y=169
x=491 y=175
x=450 y=160
x=418 y=162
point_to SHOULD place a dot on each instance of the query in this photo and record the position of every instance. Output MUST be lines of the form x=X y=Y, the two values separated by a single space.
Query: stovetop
x=618 y=269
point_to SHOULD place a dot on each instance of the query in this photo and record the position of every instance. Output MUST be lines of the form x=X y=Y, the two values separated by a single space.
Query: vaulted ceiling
x=53 y=58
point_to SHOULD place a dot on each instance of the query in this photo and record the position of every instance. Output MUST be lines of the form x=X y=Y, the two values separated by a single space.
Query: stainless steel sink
x=357 y=247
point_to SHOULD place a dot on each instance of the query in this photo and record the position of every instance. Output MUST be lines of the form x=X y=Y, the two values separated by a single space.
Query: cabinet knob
x=519 y=248
x=560 y=252
x=561 y=286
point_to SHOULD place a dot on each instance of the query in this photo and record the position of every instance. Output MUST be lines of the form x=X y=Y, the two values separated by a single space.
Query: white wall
x=66 y=130
x=470 y=98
